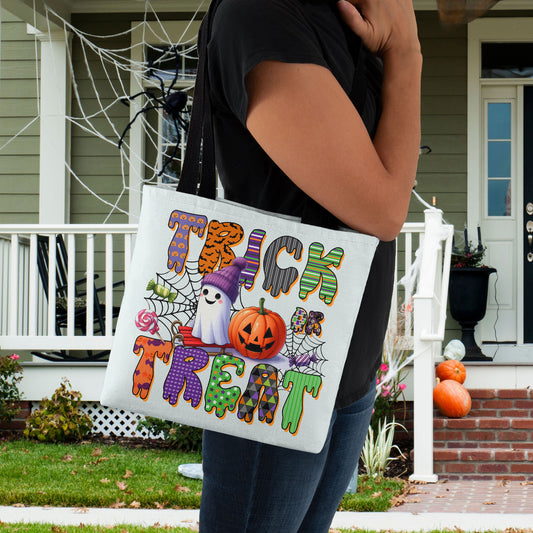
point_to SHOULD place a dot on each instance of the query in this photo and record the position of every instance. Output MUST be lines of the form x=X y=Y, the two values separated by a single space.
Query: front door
x=500 y=176
x=500 y=202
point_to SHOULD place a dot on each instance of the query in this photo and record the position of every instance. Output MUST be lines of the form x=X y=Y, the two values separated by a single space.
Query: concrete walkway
x=468 y=505
x=395 y=521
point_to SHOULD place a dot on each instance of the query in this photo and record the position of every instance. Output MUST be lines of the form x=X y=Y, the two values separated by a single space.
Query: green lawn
x=92 y=475
x=89 y=475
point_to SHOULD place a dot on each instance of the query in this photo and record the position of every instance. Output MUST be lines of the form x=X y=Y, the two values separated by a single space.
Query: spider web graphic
x=305 y=346
x=186 y=286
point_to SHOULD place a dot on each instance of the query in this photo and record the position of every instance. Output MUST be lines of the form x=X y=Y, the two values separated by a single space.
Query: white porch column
x=54 y=184
x=425 y=344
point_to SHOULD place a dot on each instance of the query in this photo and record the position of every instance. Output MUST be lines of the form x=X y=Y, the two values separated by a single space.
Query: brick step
x=488 y=463
x=516 y=403
x=483 y=432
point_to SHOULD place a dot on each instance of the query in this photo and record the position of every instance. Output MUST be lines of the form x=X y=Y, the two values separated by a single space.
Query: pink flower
x=15 y=357
x=402 y=386
x=377 y=381
x=384 y=367
x=385 y=393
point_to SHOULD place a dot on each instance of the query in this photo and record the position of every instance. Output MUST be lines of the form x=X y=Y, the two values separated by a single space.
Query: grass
x=82 y=528
x=373 y=495
x=95 y=475
x=89 y=475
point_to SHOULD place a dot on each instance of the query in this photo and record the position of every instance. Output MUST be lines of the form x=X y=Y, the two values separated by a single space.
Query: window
x=170 y=69
x=498 y=159
x=507 y=60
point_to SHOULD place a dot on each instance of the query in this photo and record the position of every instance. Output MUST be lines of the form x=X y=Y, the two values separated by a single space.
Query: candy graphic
x=304 y=359
x=147 y=321
x=160 y=290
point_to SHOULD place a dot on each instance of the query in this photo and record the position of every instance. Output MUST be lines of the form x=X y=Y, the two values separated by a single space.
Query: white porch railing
x=429 y=323
x=27 y=319
x=24 y=324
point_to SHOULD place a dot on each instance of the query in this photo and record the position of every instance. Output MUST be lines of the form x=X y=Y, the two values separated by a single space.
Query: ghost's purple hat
x=227 y=279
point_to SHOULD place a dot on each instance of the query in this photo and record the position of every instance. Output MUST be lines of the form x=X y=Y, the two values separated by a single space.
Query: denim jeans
x=250 y=487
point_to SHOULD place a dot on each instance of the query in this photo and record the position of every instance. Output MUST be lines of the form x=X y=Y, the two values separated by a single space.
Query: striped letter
x=278 y=279
x=317 y=269
x=252 y=256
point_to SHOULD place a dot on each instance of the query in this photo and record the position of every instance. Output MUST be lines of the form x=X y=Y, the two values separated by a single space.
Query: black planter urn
x=467 y=295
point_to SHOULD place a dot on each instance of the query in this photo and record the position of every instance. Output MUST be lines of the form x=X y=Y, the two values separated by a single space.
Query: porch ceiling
x=24 y=9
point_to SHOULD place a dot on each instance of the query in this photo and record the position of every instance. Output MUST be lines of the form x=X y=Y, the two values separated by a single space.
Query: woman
x=309 y=122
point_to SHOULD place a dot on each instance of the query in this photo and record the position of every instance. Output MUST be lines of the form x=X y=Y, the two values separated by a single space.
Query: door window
x=499 y=143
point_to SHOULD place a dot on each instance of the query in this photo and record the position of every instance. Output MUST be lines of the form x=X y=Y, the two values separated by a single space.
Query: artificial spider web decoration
x=172 y=102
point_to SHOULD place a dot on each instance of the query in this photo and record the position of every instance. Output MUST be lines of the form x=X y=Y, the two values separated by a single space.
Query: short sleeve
x=247 y=32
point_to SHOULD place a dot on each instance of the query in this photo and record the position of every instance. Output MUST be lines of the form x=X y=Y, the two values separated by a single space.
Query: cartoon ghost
x=218 y=291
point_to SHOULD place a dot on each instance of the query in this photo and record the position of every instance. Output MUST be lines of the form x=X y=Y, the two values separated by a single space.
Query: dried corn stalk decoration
x=463 y=11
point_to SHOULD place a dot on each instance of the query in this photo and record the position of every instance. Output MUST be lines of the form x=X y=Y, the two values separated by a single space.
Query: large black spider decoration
x=171 y=101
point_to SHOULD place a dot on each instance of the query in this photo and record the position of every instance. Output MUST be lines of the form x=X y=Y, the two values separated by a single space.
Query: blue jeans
x=250 y=487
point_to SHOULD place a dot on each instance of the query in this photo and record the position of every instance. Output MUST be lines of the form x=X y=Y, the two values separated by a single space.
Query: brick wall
x=19 y=422
x=494 y=441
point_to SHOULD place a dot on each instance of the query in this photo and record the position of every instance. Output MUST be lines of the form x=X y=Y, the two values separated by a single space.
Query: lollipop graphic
x=147 y=321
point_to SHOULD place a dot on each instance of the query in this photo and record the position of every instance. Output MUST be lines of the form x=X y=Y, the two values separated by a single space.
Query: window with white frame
x=498 y=161
x=171 y=69
x=164 y=57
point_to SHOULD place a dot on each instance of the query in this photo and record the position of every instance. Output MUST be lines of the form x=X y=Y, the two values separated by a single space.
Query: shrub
x=376 y=454
x=183 y=438
x=10 y=376
x=59 y=418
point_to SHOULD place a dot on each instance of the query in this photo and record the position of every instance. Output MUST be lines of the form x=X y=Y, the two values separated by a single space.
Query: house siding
x=19 y=159
x=96 y=162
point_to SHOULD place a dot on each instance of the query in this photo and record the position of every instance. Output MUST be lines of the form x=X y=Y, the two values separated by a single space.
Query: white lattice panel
x=108 y=421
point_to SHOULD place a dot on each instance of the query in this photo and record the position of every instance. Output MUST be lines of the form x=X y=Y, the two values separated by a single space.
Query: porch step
x=494 y=441
x=483 y=432
x=486 y=463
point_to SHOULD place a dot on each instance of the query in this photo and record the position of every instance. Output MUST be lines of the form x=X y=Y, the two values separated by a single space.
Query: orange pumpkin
x=451 y=369
x=257 y=332
x=452 y=399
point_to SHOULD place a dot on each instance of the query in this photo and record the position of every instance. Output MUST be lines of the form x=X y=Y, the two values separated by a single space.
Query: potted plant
x=468 y=289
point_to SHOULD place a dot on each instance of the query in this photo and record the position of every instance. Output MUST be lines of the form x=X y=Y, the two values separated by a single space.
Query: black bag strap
x=200 y=138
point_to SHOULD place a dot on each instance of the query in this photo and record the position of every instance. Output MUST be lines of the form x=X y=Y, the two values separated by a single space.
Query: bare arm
x=304 y=120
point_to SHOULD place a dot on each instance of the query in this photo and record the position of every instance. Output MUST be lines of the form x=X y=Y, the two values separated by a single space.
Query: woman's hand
x=385 y=26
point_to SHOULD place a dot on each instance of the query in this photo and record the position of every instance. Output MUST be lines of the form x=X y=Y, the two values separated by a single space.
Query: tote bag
x=234 y=319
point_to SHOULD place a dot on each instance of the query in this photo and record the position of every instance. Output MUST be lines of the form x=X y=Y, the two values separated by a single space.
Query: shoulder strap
x=196 y=178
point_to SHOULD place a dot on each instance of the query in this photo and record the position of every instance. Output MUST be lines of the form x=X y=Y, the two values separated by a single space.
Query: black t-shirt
x=244 y=33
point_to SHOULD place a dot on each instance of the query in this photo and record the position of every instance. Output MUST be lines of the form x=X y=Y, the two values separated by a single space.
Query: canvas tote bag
x=233 y=319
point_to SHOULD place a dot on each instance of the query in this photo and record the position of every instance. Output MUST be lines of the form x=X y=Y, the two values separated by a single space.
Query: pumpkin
x=452 y=399
x=451 y=369
x=257 y=332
